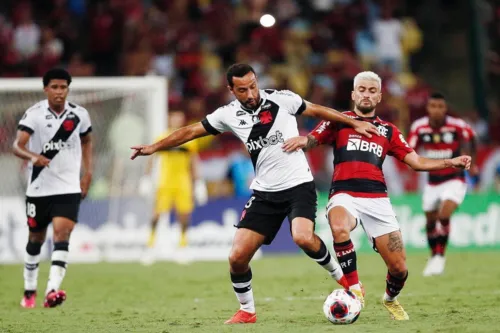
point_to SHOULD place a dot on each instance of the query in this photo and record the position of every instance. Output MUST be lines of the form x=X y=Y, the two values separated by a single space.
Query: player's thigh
x=342 y=213
x=262 y=216
x=163 y=201
x=391 y=249
x=245 y=243
x=64 y=215
x=430 y=198
x=431 y=216
x=447 y=208
x=38 y=215
x=451 y=197
x=183 y=200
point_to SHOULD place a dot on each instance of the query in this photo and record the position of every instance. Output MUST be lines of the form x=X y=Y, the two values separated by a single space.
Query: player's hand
x=461 y=162
x=85 y=184
x=40 y=161
x=295 y=144
x=141 y=150
x=365 y=128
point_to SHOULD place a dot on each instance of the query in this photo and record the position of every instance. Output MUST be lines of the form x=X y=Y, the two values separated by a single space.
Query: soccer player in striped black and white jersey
x=283 y=186
x=54 y=136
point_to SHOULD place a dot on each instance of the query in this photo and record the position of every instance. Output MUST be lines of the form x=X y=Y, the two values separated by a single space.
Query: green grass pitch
x=289 y=292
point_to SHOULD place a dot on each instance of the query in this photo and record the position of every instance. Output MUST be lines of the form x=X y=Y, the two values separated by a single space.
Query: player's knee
x=62 y=234
x=238 y=260
x=304 y=240
x=398 y=268
x=37 y=238
x=33 y=248
x=340 y=228
x=444 y=220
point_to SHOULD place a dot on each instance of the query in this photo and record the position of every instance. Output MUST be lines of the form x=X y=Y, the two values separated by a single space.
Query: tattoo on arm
x=395 y=242
x=311 y=142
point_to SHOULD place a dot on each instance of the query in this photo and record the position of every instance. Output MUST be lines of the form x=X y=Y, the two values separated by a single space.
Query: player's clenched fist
x=461 y=162
x=40 y=161
x=141 y=150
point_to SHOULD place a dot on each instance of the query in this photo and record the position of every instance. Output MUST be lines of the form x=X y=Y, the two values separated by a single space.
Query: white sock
x=57 y=270
x=389 y=298
x=246 y=297
x=331 y=266
x=355 y=286
x=31 y=271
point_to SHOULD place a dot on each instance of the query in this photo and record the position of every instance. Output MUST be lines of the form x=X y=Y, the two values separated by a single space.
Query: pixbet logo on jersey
x=55 y=145
x=362 y=145
x=265 y=142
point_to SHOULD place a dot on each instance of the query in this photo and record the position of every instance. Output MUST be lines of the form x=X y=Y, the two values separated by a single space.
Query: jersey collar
x=57 y=116
x=263 y=97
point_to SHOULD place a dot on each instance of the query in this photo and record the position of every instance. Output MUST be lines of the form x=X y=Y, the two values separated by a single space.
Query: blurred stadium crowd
x=315 y=49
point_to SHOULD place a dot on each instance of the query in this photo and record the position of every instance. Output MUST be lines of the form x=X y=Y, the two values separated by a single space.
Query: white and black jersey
x=264 y=130
x=57 y=137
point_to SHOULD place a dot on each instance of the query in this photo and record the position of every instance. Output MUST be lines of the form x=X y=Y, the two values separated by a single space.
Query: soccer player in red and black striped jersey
x=441 y=136
x=359 y=195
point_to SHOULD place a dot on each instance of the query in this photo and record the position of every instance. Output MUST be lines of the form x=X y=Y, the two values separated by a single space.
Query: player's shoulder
x=280 y=95
x=455 y=121
x=420 y=122
x=36 y=107
x=77 y=108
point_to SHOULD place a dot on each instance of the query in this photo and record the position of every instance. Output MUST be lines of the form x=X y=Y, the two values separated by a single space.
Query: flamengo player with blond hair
x=358 y=193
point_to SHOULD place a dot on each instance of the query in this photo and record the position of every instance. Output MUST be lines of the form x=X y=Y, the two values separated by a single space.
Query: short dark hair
x=437 y=95
x=56 y=74
x=238 y=70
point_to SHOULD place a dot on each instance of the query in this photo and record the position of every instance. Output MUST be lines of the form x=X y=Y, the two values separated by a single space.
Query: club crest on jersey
x=382 y=130
x=447 y=137
x=68 y=124
x=436 y=138
x=265 y=117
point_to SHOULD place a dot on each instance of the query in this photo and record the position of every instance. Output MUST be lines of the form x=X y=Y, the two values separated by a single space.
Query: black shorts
x=266 y=211
x=41 y=210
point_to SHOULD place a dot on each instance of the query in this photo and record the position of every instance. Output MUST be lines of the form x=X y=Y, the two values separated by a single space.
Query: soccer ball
x=342 y=307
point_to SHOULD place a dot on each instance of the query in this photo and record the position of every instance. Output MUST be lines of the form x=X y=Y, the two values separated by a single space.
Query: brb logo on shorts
x=55 y=145
x=362 y=145
x=265 y=142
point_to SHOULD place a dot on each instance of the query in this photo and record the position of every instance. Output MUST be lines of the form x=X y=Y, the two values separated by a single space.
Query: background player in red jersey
x=359 y=195
x=441 y=136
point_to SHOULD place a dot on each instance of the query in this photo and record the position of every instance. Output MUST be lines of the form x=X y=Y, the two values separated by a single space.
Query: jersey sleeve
x=399 y=148
x=28 y=122
x=86 y=125
x=467 y=133
x=413 y=140
x=292 y=102
x=324 y=132
x=215 y=123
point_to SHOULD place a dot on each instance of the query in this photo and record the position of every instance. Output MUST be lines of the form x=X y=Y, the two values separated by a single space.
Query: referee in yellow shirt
x=178 y=171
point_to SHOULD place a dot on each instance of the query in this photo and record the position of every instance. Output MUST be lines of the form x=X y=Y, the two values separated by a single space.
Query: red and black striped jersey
x=357 y=159
x=443 y=142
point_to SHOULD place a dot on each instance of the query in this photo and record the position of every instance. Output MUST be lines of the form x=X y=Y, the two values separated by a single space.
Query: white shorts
x=375 y=214
x=433 y=195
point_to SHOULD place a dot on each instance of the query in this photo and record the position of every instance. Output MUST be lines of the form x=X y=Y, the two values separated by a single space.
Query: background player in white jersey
x=263 y=120
x=58 y=137
x=359 y=194
x=441 y=136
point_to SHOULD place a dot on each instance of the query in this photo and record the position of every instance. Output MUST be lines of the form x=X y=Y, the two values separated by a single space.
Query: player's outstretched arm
x=20 y=150
x=420 y=163
x=177 y=138
x=322 y=112
x=300 y=142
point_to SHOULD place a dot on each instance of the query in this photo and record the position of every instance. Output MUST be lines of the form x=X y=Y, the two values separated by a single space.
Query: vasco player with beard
x=359 y=194
x=441 y=136
x=283 y=186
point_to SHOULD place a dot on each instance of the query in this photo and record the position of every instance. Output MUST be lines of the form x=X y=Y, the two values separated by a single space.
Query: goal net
x=124 y=111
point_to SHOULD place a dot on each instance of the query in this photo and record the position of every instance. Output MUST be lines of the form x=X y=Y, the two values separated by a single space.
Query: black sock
x=394 y=284
x=346 y=255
